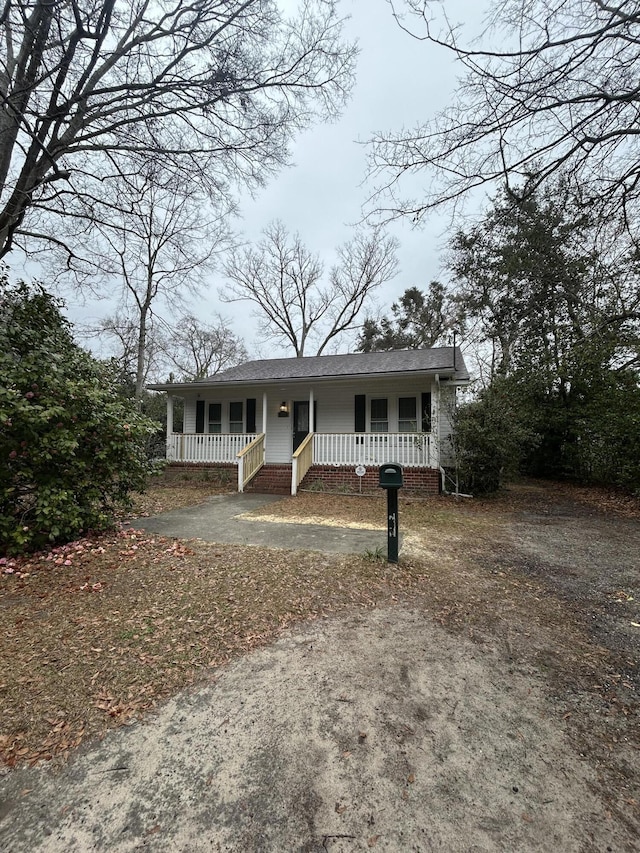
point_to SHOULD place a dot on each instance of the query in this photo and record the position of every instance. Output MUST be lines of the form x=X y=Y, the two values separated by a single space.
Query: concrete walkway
x=217 y=521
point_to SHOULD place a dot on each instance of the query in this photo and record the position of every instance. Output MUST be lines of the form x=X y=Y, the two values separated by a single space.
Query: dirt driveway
x=486 y=699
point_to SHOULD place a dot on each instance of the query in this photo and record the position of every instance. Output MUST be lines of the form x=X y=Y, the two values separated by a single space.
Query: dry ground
x=96 y=633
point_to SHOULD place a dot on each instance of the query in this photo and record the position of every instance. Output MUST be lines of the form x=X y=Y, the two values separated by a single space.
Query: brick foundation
x=321 y=478
x=177 y=470
x=330 y=478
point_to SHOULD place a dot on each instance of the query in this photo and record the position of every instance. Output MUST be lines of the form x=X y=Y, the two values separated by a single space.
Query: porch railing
x=410 y=449
x=204 y=447
x=250 y=461
x=301 y=461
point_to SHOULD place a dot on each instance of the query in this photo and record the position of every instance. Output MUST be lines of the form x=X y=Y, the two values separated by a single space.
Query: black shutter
x=251 y=415
x=199 y=415
x=425 y=408
x=360 y=409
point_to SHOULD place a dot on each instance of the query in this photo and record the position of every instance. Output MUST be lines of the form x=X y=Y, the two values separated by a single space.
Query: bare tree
x=118 y=335
x=155 y=250
x=284 y=280
x=198 y=349
x=210 y=91
x=552 y=86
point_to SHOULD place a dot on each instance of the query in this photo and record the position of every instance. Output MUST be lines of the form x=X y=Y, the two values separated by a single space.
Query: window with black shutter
x=407 y=421
x=236 y=417
x=379 y=415
x=215 y=418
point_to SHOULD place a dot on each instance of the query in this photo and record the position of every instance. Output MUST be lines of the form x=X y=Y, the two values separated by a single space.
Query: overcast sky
x=400 y=81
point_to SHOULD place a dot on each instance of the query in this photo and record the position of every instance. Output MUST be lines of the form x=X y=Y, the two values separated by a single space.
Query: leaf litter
x=97 y=632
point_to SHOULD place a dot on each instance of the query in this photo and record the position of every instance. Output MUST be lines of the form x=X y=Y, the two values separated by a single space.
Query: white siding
x=335 y=407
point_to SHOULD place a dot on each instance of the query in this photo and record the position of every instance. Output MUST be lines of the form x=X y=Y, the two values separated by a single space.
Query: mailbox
x=390 y=476
x=391 y=479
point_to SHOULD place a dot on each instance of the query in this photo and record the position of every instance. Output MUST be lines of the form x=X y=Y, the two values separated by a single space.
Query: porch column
x=434 y=455
x=264 y=417
x=312 y=425
x=169 y=451
x=169 y=415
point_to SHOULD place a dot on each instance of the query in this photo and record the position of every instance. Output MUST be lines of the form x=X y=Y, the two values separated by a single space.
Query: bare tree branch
x=284 y=280
x=155 y=251
x=552 y=88
x=197 y=349
x=210 y=90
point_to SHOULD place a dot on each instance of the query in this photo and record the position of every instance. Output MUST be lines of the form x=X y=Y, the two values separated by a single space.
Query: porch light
x=283 y=411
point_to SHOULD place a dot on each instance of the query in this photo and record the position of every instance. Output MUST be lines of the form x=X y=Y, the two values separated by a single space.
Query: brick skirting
x=178 y=469
x=327 y=478
x=330 y=478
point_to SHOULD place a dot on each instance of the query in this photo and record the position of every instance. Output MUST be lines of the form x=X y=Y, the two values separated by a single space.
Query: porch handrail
x=411 y=449
x=301 y=461
x=250 y=461
x=206 y=447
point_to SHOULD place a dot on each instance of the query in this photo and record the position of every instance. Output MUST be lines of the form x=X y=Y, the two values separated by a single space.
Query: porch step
x=272 y=480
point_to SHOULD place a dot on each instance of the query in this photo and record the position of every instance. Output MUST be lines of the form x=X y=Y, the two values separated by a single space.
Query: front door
x=301 y=421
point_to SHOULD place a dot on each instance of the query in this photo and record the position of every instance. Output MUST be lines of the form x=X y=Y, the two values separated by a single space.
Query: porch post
x=264 y=418
x=169 y=416
x=312 y=425
x=434 y=450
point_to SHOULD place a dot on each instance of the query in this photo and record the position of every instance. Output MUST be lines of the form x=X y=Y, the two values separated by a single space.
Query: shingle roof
x=434 y=360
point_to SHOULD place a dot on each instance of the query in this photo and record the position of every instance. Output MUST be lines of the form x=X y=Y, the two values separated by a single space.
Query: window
x=236 y=419
x=215 y=417
x=407 y=414
x=379 y=416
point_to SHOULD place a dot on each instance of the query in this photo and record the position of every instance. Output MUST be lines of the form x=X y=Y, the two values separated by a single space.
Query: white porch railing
x=250 y=461
x=410 y=449
x=301 y=461
x=204 y=447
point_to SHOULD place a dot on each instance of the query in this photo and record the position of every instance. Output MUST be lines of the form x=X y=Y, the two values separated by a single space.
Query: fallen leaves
x=95 y=632
x=124 y=709
x=62 y=737
x=103 y=628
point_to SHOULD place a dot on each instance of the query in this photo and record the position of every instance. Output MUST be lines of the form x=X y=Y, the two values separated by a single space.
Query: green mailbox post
x=390 y=478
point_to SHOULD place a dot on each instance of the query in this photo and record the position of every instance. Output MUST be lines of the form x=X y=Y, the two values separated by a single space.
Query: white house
x=319 y=419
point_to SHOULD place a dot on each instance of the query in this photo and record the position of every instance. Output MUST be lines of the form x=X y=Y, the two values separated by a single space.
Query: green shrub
x=71 y=448
x=488 y=441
